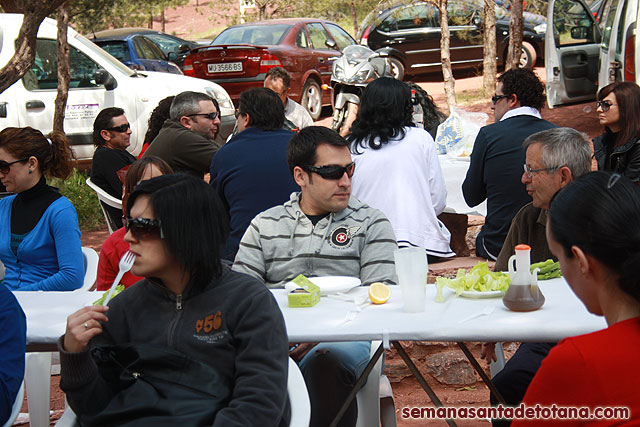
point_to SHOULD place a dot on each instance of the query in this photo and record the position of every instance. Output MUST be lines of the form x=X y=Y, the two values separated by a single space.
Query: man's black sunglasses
x=5 y=167
x=332 y=171
x=496 y=98
x=143 y=227
x=211 y=116
x=122 y=128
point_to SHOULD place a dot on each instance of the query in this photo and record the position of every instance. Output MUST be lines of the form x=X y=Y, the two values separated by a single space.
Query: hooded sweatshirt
x=282 y=242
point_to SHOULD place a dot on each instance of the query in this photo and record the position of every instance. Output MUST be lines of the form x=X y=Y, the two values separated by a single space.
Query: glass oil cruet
x=523 y=293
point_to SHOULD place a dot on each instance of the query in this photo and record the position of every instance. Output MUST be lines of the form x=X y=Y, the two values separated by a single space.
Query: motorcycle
x=352 y=71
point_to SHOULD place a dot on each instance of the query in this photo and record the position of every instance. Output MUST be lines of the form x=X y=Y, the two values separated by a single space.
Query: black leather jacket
x=624 y=159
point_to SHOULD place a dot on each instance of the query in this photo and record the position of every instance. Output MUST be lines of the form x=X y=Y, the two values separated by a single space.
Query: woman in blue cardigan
x=39 y=234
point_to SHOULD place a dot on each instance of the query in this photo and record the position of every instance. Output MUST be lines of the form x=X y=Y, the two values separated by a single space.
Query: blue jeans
x=330 y=371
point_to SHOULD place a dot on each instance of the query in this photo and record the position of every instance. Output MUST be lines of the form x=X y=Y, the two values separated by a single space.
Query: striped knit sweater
x=282 y=242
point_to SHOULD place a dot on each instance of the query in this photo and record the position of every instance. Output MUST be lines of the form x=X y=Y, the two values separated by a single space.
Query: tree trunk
x=447 y=73
x=163 y=20
x=490 y=68
x=516 y=27
x=34 y=13
x=354 y=16
x=63 y=68
x=150 y=24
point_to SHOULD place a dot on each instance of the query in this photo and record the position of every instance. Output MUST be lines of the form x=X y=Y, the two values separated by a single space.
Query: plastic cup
x=412 y=269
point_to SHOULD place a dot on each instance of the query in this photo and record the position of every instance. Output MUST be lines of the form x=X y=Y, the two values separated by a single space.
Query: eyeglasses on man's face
x=122 y=128
x=210 y=116
x=5 y=167
x=529 y=172
x=604 y=105
x=333 y=172
x=495 y=98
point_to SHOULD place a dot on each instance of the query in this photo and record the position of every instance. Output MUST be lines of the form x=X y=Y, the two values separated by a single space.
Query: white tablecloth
x=562 y=315
x=454 y=171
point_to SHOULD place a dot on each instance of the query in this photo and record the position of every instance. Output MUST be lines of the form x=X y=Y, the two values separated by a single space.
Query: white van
x=98 y=80
x=586 y=49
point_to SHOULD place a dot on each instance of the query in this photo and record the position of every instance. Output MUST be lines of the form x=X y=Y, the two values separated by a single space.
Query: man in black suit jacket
x=497 y=158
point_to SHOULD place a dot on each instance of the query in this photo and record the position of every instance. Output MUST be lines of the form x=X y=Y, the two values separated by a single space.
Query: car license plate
x=225 y=68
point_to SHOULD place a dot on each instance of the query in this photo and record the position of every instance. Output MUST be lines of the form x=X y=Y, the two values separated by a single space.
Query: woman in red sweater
x=115 y=247
x=594 y=230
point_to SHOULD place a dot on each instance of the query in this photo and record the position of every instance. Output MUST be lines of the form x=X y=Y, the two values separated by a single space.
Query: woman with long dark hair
x=397 y=168
x=114 y=248
x=192 y=344
x=39 y=233
x=594 y=230
x=618 y=148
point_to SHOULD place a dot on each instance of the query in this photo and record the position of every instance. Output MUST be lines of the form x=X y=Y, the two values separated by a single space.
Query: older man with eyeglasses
x=186 y=140
x=495 y=171
x=554 y=158
x=111 y=136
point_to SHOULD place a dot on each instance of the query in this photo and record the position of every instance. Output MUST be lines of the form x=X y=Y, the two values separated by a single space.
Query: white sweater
x=404 y=180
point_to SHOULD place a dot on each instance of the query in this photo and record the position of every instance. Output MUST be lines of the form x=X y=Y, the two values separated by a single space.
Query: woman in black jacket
x=618 y=148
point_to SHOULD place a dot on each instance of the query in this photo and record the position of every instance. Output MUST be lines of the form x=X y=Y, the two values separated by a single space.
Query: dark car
x=413 y=33
x=239 y=58
x=136 y=51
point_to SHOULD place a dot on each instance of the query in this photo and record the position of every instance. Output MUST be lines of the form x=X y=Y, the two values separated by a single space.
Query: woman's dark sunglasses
x=143 y=227
x=604 y=105
x=5 y=167
x=332 y=171
x=122 y=128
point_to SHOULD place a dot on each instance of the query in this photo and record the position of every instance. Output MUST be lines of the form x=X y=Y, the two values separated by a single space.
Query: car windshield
x=105 y=56
x=165 y=43
x=118 y=49
x=253 y=34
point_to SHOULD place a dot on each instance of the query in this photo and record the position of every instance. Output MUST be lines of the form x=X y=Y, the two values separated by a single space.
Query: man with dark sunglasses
x=187 y=138
x=322 y=231
x=495 y=169
x=111 y=135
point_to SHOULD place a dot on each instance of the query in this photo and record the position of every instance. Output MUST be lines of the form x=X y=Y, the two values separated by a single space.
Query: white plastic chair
x=90 y=268
x=296 y=389
x=17 y=404
x=108 y=199
x=376 y=394
x=298 y=397
x=37 y=379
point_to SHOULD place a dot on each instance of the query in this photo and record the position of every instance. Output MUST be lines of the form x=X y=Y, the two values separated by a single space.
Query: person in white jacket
x=397 y=168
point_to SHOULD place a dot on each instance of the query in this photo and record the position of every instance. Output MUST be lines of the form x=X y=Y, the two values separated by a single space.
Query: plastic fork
x=484 y=312
x=126 y=262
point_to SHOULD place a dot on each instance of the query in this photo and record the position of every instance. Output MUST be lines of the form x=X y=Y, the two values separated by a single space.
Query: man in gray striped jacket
x=322 y=231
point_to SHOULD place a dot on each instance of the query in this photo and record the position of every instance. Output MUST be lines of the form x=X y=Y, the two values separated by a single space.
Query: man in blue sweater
x=250 y=172
x=497 y=157
x=13 y=335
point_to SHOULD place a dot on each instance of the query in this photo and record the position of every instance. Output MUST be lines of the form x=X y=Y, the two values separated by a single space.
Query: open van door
x=572 y=47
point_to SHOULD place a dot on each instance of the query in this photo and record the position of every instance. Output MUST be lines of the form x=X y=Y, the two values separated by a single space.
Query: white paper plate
x=330 y=284
x=477 y=294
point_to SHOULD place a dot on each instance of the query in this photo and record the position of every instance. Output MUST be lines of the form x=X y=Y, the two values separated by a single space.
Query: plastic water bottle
x=418 y=114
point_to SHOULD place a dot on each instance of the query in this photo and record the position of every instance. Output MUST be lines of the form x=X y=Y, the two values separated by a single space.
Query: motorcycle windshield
x=356 y=53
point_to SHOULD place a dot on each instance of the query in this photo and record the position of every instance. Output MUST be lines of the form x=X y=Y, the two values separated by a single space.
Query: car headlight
x=224 y=101
x=540 y=28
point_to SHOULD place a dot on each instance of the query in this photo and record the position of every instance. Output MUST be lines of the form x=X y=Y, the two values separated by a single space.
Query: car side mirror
x=183 y=48
x=102 y=77
x=331 y=44
x=172 y=56
x=581 y=33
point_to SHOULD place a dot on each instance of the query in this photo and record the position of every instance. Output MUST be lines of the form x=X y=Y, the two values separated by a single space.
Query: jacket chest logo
x=210 y=323
x=342 y=236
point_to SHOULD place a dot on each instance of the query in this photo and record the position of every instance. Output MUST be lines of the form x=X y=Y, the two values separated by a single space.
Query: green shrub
x=83 y=198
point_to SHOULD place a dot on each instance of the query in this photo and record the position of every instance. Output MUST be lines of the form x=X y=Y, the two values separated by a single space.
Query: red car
x=239 y=58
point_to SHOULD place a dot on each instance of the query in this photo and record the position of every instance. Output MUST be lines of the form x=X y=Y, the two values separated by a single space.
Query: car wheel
x=312 y=98
x=528 y=57
x=397 y=69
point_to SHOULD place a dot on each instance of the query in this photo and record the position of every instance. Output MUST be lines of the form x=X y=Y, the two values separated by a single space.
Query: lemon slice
x=379 y=293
